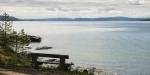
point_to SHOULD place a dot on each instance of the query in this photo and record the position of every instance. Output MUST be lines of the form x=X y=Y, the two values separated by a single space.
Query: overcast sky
x=75 y=8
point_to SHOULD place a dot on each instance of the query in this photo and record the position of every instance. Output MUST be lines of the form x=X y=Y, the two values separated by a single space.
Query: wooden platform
x=62 y=63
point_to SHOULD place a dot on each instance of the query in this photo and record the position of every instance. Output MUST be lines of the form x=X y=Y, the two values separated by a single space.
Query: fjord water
x=119 y=46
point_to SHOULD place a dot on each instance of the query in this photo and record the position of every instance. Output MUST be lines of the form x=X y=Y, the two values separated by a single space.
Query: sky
x=75 y=8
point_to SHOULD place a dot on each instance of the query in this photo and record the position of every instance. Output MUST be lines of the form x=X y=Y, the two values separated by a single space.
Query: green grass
x=11 y=58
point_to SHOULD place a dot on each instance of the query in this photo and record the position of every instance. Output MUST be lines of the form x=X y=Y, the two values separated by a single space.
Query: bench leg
x=62 y=63
x=34 y=62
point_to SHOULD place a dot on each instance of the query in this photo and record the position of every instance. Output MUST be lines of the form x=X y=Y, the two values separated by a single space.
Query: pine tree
x=22 y=39
x=6 y=29
x=9 y=37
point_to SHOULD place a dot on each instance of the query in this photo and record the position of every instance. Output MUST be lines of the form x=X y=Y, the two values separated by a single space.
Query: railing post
x=62 y=63
x=34 y=61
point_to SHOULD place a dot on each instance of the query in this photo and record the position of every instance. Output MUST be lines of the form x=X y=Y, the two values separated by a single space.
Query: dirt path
x=26 y=71
x=9 y=72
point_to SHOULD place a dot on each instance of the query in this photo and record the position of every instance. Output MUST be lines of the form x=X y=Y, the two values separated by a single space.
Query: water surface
x=122 y=46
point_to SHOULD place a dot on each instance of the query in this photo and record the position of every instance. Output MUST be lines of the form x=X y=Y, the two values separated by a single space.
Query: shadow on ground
x=3 y=74
x=24 y=71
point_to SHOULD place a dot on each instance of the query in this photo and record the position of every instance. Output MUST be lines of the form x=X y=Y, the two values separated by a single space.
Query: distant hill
x=91 y=19
x=148 y=19
x=10 y=18
x=82 y=19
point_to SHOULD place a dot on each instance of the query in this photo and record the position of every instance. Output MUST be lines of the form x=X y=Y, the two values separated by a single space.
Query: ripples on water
x=118 y=46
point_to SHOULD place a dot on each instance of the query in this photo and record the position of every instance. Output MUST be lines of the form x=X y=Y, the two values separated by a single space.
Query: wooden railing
x=62 y=63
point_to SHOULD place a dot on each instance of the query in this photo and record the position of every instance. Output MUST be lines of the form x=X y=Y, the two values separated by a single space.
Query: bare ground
x=24 y=71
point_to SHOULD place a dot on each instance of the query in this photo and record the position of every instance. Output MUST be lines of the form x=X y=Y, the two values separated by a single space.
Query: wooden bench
x=62 y=63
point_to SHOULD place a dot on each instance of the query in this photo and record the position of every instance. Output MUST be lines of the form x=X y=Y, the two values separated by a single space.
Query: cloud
x=135 y=2
x=76 y=8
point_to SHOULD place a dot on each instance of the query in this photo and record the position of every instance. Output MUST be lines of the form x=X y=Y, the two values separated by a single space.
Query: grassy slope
x=9 y=57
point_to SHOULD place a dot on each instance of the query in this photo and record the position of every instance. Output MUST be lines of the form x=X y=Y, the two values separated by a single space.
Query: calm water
x=122 y=47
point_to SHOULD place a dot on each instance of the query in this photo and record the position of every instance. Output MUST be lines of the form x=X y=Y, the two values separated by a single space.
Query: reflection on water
x=119 y=46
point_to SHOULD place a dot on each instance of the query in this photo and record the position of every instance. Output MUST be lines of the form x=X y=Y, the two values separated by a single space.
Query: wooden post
x=34 y=62
x=62 y=63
